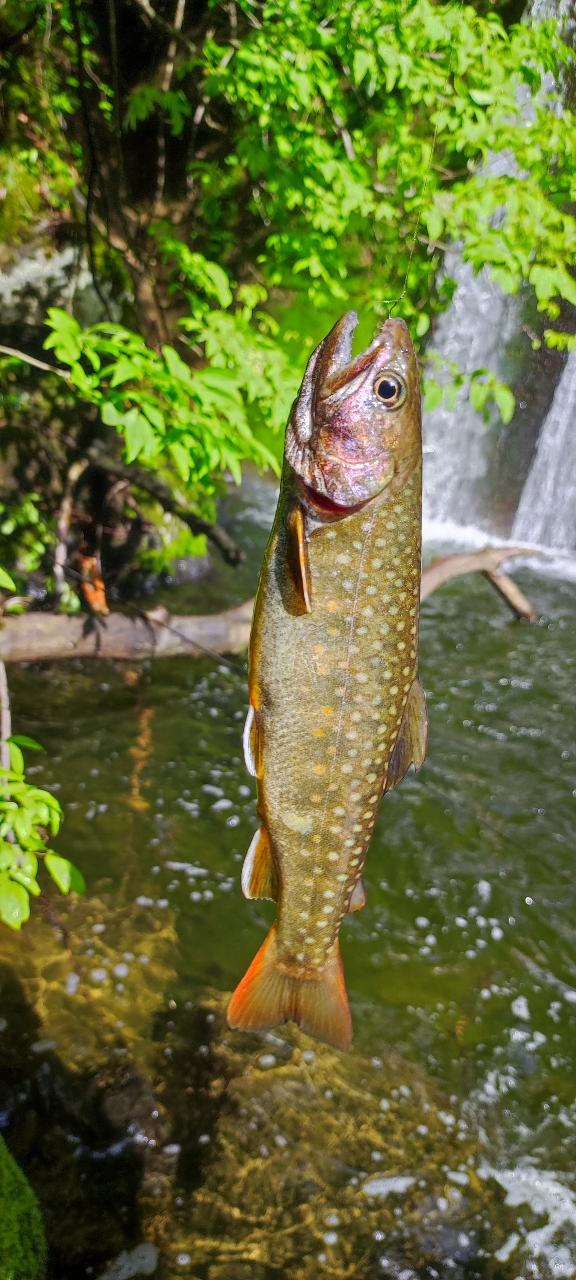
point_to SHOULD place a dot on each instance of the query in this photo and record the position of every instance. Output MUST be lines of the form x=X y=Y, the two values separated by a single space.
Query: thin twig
x=38 y=364
x=151 y=14
x=5 y=719
x=63 y=526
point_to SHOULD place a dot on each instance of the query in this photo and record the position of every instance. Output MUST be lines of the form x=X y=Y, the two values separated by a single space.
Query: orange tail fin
x=268 y=996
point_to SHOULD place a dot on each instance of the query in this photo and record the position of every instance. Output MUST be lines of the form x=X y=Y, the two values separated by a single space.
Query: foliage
x=25 y=813
x=236 y=185
x=159 y=404
x=22 y=1241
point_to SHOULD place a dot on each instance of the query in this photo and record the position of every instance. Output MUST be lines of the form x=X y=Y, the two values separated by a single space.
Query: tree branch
x=173 y=32
x=487 y=561
x=160 y=490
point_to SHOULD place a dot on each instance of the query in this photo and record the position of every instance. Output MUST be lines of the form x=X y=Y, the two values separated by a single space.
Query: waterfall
x=546 y=513
x=476 y=472
x=472 y=333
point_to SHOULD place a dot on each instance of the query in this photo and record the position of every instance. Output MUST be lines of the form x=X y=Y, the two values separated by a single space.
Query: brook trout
x=337 y=712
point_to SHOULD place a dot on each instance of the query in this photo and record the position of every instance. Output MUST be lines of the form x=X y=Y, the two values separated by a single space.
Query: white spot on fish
x=297 y=822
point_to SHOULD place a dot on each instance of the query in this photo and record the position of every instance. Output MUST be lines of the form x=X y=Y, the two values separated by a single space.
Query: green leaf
x=14 y=902
x=138 y=435
x=16 y=757
x=22 y=741
x=363 y=62
x=6 y=580
x=432 y=394
x=64 y=873
x=506 y=402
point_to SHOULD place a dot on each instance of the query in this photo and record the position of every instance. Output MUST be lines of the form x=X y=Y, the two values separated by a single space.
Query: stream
x=443 y=1144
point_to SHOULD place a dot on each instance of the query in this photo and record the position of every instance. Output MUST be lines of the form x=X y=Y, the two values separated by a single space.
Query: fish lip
x=326 y=504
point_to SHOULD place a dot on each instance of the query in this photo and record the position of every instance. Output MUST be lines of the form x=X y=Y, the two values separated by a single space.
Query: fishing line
x=394 y=301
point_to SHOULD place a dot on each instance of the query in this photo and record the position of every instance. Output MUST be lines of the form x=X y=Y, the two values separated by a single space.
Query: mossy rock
x=22 y=1242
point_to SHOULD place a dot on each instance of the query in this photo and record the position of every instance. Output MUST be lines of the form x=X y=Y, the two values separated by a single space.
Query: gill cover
x=355 y=425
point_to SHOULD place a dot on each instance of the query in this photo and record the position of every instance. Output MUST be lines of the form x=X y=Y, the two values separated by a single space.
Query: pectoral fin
x=358 y=896
x=298 y=560
x=259 y=875
x=412 y=738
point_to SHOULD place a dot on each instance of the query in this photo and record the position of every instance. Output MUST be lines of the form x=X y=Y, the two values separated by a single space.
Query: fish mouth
x=335 y=450
x=338 y=375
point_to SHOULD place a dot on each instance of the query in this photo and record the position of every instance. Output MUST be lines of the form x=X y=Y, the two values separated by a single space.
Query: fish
x=336 y=710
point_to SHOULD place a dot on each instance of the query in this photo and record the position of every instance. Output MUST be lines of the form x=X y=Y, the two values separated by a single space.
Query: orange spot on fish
x=317 y=733
x=332 y=605
x=319 y=648
x=319 y=768
x=327 y=711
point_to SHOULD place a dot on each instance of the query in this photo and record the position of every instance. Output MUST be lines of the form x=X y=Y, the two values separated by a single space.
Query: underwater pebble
x=144 y=959
x=42 y=1046
x=221 y=805
x=208 y=895
x=204 y=1139
x=384 y=1105
x=121 y=970
x=98 y=928
x=173 y=1149
x=280 y=1140
x=330 y=1237
x=141 y=1261
x=520 y=1008
x=196 y=897
x=308 y=1055
x=99 y=975
x=142 y=901
x=72 y=984
x=497 y=933
x=183 y=1259
x=234 y=821
x=162 y=902
x=267 y=1060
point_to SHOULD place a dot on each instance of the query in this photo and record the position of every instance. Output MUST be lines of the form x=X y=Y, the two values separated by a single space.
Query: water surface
x=443 y=1143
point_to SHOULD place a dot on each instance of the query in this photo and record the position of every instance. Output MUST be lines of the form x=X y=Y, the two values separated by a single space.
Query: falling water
x=472 y=334
x=547 y=510
x=477 y=471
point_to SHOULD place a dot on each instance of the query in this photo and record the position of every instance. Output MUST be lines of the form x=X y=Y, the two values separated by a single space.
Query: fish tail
x=268 y=996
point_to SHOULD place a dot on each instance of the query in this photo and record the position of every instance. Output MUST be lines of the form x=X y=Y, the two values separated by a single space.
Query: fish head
x=355 y=428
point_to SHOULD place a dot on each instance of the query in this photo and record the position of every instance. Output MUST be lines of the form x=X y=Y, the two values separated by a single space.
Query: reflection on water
x=443 y=1143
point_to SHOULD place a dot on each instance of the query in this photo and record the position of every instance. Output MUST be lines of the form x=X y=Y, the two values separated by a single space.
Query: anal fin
x=298 y=560
x=270 y=995
x=412 y=737
x=358 y=896
x=259 y=876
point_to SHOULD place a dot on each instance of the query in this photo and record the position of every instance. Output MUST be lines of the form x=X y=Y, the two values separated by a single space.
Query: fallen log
x=46 y=636
x=486 y=561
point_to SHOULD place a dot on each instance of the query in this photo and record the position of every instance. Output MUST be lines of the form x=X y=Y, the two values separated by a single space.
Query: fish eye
x=390 y=390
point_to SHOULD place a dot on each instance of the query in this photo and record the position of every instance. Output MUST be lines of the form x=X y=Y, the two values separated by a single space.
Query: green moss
x=22 y=1243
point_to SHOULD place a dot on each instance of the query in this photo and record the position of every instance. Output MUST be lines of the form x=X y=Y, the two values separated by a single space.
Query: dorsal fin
x=298 y=560
x=259 y=875
x=412 y=737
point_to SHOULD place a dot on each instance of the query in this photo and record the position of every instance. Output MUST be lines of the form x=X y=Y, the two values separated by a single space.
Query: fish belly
x=332 y=686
